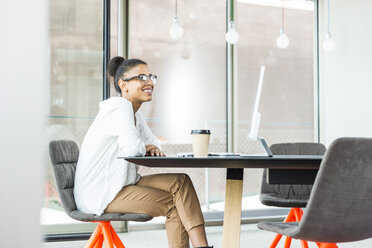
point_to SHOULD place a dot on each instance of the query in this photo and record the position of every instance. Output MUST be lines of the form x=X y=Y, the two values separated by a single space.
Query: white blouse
x=100 y=175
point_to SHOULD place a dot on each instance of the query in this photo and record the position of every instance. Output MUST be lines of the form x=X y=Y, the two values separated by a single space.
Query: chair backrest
x=340 y=205
x=64 y=155
x=285 y=191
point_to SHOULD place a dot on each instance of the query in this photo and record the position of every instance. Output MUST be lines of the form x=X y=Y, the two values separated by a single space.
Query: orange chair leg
x=290 y=217
x=287 y=243
x=107 y=235
x=298 y=214
x=275 y=241
x=99 y=242
x=104 y=232
x=116 y=239
x=94 y=238
x=328 y=245
x=304 y=244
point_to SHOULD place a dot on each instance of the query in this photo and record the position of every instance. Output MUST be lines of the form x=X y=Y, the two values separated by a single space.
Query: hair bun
x=114 y=64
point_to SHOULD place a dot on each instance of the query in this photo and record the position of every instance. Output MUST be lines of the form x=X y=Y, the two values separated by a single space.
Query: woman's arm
x=153 y=147
x=121 y=124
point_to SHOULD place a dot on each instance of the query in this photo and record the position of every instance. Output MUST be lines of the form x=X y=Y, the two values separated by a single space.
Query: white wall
x=23 y=84
x=346 y=73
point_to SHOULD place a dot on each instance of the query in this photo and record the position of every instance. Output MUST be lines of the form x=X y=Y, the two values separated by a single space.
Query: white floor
x=251 y=237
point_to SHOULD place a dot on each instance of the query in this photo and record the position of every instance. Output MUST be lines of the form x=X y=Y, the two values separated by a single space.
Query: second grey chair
x=64 y=155
x=292 y=196
x=339 y=208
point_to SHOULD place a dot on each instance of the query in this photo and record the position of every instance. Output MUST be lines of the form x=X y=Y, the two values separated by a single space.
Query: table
x=234 y=179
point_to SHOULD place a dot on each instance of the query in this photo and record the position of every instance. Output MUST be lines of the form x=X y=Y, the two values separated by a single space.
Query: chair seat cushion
x=78 y=215
x=284 y=228
x=280 y=201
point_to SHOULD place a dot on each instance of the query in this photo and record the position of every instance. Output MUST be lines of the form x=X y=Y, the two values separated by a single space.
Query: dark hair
x=118 y=66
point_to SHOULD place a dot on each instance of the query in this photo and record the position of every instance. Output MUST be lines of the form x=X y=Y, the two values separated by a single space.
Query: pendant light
x=232 y=36
x=282 y=41
x=176 y=30
x=328 y=44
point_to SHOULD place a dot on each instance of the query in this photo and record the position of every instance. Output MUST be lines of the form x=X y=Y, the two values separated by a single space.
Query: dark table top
x=275 y=162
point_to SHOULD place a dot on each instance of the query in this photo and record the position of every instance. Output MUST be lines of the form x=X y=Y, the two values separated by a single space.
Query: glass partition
x=75 y=88
x=191 y=88
x=287 y=100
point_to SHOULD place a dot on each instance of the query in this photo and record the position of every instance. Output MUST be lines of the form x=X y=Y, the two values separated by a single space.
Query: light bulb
x=232 y=36
x=328 y=44
x=176 y=31
x=282 y=41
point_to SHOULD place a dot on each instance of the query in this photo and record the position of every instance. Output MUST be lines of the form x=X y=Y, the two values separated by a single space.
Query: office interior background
x=52 y=70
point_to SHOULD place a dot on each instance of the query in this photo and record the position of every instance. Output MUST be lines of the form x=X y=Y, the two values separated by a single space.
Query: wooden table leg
x=233 y=209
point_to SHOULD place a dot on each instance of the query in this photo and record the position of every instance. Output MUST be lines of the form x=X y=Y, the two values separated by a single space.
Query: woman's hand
x=152 y=150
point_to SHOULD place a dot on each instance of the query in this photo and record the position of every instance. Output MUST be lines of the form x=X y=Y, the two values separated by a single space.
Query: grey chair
x=339 y=208
x=64 y=155
x=292 y=196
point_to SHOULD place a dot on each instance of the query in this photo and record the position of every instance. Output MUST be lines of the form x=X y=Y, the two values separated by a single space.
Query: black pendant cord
x=176 y=14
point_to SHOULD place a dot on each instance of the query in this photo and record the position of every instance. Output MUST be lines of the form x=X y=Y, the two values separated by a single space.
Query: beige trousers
x=170 y=195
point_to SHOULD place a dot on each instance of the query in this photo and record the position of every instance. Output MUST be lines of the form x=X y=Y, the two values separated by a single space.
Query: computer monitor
x=256 y=116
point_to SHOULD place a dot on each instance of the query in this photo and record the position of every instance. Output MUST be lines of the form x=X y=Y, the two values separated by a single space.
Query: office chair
x=64 y=155
x=339 y=208
x=293 y=196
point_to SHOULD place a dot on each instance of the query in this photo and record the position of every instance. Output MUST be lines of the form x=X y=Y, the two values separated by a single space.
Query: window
x=75 y=87
x=191 y=88
x=286 y=104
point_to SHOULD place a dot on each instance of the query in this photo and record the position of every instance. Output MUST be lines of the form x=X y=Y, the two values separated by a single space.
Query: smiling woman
x=104 y=183
x=136 y=71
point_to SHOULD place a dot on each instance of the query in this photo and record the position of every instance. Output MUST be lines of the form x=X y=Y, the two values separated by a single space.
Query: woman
x=104 y=183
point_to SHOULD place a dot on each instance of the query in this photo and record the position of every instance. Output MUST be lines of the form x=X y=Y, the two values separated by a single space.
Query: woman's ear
x=123 y=86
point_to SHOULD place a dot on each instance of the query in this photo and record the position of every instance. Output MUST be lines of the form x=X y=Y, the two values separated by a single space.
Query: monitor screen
x=256 y=116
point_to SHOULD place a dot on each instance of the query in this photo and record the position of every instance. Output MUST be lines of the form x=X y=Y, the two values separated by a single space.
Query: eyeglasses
x=144 y=79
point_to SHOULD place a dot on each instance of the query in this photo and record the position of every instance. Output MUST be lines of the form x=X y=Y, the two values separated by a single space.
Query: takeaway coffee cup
x=200 y=142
